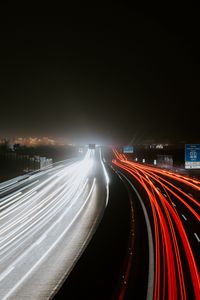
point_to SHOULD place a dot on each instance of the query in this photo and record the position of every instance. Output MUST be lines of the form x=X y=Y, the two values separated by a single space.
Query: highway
x=47 y=219
x=171 y=207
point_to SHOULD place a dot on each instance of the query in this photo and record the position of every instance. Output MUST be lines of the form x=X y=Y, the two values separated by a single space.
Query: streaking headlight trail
x=46 y=221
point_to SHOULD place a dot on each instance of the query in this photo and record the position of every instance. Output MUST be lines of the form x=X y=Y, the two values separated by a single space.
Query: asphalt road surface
x=81 y=230
x=47 y=220
x=171 y=205
x=115 y=263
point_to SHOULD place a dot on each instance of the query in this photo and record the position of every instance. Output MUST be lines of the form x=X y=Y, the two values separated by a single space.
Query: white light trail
x=38 y=211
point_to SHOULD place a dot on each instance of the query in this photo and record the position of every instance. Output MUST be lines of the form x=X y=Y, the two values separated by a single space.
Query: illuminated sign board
x=128 y=149
x=192 y=156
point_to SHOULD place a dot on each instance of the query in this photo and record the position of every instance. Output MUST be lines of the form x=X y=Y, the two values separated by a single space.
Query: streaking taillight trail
x=170 y=237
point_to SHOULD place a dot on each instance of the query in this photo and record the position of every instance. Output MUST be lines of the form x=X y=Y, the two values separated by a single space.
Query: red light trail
x=172 y=243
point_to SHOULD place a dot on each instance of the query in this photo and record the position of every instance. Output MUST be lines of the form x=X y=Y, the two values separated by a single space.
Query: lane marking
x=184 y=217
x=150 y=287
x=106 y=177
x=198 y=239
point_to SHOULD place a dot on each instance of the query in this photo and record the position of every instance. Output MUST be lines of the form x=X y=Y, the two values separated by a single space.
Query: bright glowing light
x=38 y=213
x=169 y=231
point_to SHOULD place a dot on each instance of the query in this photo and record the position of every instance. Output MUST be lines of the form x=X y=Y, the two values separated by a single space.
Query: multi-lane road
x=148 y=232
x=47 y=219
x=171 y=207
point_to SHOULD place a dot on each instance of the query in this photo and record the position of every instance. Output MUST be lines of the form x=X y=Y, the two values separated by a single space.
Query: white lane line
x=190 y=195
x=150 y=242
x=184 y=217
x=120 y=177
x=173 y=204
x=106 y=178
x=198 y=239
x=165 y=195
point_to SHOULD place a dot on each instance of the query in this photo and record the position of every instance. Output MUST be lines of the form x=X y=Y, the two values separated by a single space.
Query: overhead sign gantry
x=192 y=156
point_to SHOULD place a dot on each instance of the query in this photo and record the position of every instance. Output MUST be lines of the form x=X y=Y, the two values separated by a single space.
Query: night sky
x=103 y=74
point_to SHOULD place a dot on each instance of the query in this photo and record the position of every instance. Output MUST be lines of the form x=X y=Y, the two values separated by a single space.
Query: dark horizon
x=110 y=75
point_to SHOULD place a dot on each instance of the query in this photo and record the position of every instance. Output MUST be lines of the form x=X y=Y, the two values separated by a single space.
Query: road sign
x=192 y=156
x=128 y=149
